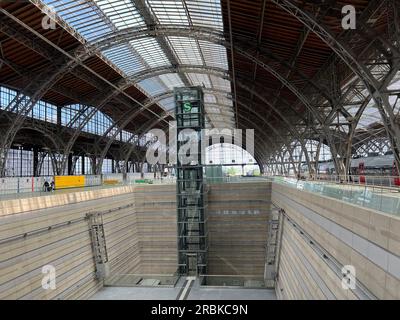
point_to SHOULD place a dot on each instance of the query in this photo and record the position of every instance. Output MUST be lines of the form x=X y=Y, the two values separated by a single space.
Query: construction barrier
x=111 y=182
x=64 y=182
x=113 y=178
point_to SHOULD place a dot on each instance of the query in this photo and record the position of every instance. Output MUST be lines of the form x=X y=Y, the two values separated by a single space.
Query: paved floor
x=196 y=293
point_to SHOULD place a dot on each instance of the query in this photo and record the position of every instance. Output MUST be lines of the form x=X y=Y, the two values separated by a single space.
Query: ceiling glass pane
x=186 y=50
x=206 y=13
x=150 y=51
x=153 y=86
x=172 y=80
x=169 y=12
x=122 y=13
x=198 y=79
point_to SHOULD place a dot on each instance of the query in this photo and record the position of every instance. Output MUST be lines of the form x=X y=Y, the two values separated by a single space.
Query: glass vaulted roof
x=96 y=19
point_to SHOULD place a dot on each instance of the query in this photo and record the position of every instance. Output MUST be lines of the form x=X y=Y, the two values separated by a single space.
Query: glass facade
x=20 y=161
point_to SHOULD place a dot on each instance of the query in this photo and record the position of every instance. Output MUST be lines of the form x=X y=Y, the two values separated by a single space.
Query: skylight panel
x=210 y=109
x=187 y=50
x=216 y=118
x=369 y=116
x=168 y=103
x=214 y=54
x=93 y=31
x=122 y=13
x=125 y=59
x=210 y=98
x=206 y=13
x=220 y=84
x=222 y=100
x=199 y=79
x=227 y=112
x=395 y=84
x=151 y=52
x=169 y=12
x=153 y=86
x=82 y=17
x=171 y=80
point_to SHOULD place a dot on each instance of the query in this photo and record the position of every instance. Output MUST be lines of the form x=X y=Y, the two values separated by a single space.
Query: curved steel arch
x=200 y=33
x=257 y=151
x=285 y=143
x=147 y=126
x=128 y=82
x=220 y=72
x=128 y=34
x=219 y=39
x=347 y=55
x=66 y=62
x=58 y=143
x=125 y=82
x=314 y=113
x=262 y=133
x=294 y=132
x=206 y=34
x=179 y=68
x=261 y=145
x=128 y=117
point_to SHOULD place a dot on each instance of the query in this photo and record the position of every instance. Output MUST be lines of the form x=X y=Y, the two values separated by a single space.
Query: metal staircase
x=272 y=249
x=99 y=244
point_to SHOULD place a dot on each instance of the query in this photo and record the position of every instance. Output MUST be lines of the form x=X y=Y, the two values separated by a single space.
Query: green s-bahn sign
x=187 y=106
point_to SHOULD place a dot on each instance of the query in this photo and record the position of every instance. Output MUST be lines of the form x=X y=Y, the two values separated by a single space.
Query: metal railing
x=362 y=180
x=376 y=197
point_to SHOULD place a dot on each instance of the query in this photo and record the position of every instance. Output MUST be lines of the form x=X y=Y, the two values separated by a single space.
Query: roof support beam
x=344 y=51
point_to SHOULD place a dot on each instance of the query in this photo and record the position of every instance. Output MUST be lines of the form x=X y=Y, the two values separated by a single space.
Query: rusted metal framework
x=285 y=68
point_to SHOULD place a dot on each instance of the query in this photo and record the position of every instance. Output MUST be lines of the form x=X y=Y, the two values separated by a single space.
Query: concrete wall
x=58 y=236
x=157 y=228
x=237 y=226
x=349 y=235
x=52 y=230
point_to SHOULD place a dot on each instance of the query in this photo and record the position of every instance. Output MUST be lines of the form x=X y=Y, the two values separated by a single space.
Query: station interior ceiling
x=287 y=69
